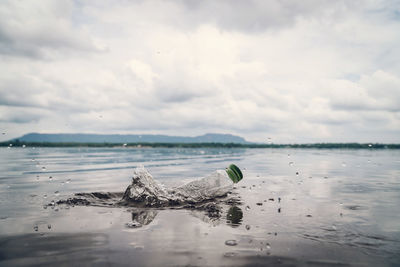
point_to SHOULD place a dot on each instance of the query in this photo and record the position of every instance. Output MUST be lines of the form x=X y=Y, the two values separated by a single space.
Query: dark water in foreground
x=340 y=209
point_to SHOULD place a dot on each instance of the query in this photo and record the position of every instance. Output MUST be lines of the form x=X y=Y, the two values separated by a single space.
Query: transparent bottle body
x=148 y=192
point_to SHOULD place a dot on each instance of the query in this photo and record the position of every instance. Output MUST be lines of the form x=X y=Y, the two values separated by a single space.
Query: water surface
x=300 y=207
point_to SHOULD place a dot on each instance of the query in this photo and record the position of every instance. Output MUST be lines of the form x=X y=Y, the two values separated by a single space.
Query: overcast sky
x=292 y=71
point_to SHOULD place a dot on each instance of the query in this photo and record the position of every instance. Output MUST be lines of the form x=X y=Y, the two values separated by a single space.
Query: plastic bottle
x=145 y=191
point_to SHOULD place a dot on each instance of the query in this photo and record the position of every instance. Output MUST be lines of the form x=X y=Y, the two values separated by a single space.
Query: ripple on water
x=355 y=207
x=230 y=254
x=231 y=242
x=133 y=225
x=355 y=238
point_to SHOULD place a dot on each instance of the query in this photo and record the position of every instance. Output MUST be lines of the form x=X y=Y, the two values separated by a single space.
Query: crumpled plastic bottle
x=146 y=191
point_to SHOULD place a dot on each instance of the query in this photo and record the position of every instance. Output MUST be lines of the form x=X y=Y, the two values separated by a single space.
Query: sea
x=298 y=207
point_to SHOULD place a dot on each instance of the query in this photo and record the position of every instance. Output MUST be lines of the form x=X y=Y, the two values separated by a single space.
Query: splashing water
x=144 y=191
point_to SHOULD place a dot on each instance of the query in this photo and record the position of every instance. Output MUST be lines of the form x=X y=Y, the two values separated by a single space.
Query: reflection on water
x=142 y=217
x=234 y=216
x=53 y=249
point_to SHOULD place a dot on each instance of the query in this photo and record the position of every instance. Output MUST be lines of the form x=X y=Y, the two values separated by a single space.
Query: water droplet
x=231 y=242
x=68 y=181
x=56 y=209
x=291 y=163
x=44 y=196
x=10 y=145
x=124 y=145
x=36 y=228
x=45 y=207
x=23 y=146
x=333 y=227
x=57 y=193
x=247 y=207
x=49 y=226
x=43 y=168
x=268 y=246
x=297 y=173
x=133 y=225
x=279 y=200
x=50 y=178
x=248 y=227
x=344 y=164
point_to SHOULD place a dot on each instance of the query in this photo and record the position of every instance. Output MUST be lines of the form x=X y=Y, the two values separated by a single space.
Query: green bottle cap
x=234 y=173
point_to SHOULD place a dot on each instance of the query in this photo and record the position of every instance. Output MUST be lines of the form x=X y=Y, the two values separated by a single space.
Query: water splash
x=144 y=191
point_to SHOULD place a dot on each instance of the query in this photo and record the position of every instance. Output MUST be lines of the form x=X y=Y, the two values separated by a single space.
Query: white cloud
x=42 y=29
x=313 y=71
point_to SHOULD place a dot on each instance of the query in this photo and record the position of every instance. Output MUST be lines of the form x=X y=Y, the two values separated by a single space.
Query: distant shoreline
x=205 y=145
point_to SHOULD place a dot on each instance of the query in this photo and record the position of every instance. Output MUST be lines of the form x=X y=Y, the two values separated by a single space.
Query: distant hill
x=130 y=138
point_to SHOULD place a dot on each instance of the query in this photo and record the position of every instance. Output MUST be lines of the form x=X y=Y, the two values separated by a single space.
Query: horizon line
x=328 y=145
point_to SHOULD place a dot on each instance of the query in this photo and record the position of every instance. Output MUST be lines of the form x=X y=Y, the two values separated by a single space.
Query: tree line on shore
x=17 y=143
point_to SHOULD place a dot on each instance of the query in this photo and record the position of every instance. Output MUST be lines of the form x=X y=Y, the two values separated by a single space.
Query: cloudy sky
x=292 y=71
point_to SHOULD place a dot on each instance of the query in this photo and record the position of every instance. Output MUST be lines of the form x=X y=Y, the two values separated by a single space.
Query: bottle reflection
x=141 y=217
x=234 y=216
